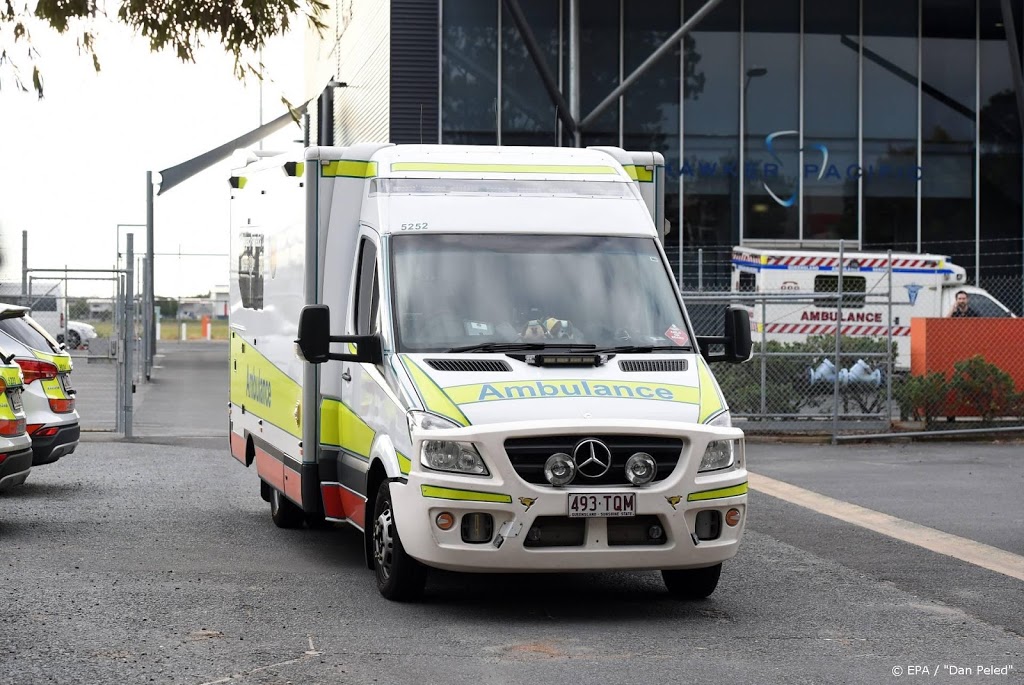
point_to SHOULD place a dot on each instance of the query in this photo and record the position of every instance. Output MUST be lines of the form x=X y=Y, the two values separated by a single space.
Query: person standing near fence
x=962 y=306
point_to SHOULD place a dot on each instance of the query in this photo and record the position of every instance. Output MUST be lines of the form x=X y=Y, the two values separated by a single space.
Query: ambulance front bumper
x=531 y=528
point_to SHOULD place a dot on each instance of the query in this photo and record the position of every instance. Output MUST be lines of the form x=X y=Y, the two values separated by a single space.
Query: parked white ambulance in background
x=513 y=384
x=923 y=285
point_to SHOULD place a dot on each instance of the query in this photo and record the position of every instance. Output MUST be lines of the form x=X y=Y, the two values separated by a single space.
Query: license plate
x=65 y=382
x=15 y=397
x=608 y=504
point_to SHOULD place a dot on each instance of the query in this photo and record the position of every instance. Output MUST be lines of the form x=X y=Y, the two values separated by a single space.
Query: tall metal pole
x=129 y=335
x=147 y=283
x=119 y=338
x=574 y=67
x=839 y=333
x=24 y=267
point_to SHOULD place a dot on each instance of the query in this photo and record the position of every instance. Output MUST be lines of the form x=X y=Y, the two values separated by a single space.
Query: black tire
x=74 y=340
x=692 y=583
x=284 y=512
x=400 y=578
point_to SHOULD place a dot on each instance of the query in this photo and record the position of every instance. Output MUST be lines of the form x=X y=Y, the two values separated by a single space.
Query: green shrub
x=984 y=388
x=922 y=397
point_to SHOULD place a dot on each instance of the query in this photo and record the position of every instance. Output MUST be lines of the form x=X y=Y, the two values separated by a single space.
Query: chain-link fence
x=889 y=373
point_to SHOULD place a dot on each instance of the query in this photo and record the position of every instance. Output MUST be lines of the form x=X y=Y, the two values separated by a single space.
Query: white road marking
x=977 y=553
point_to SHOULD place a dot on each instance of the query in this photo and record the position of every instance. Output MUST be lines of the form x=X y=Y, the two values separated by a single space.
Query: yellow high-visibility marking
x=464 y=495
x=434 y=397
x=404 y=465
x=340 y=426
x=11 y=376
x=639 y=173
x=349 y=168
x=505 y=168
x=61 y=361
x=711 y=402
x=734 y=491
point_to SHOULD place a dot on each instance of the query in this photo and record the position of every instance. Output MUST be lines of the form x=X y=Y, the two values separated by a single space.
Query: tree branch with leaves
x=241 y=27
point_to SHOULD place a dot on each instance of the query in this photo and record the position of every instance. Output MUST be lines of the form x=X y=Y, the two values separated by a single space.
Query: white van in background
x=46 y=301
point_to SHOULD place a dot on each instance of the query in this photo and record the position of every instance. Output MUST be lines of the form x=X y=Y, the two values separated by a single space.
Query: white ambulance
x=478 y=356
x=923 y=285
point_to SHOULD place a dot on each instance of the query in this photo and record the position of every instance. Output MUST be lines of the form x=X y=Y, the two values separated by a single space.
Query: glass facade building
x=887 y=124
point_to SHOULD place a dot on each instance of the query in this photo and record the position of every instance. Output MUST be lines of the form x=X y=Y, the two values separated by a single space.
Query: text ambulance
x=478 y=356
x=923 y=285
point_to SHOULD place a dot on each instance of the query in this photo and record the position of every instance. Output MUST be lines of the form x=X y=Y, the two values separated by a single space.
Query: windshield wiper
x=644 y=349
x=521 y=346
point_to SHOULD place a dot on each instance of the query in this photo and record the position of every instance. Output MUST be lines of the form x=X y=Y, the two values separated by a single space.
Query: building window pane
x=947 y=129
x=651 y=109
x=469 y=72
x=599 y=68
x=710 y=167
x=527 y=112
x=830 y=120
x=1000 y=178
x=772 y=108
x=890 y=124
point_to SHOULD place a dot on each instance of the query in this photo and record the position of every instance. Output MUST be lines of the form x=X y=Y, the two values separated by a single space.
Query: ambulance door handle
x=346 y=376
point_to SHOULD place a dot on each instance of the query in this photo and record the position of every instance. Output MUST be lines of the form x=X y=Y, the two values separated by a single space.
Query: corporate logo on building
x=773 y=175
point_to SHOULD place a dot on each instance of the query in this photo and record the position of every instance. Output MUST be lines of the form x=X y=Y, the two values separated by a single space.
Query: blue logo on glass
x=771 y=171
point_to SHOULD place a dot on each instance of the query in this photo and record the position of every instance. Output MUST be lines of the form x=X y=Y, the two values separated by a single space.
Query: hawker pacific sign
x=777 y=179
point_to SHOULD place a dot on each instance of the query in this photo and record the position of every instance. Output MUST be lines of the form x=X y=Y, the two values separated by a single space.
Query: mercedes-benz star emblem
x=592 y=457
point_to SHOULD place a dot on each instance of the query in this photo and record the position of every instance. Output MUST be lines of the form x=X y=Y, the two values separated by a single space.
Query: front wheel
x=399 y=577
x=286 y=514
x=692 y=583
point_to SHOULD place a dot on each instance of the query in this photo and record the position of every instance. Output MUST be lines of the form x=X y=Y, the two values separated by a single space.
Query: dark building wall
x=414 y=71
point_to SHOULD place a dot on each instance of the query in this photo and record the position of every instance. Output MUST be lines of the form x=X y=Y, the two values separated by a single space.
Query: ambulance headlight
x=723 y=420
x=452 y=456
x=719 y=454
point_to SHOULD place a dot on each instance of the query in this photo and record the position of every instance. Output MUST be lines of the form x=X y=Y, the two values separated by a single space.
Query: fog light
x=534 y=534
x=655 y=532
x=445 y=520
x=732 y=517
x=641 y=468
x=560 y=469
x=477 y=528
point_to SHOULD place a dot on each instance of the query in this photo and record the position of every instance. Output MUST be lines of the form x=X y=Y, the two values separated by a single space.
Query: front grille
x=528 y=455
x=652 y=365
x=469 y=365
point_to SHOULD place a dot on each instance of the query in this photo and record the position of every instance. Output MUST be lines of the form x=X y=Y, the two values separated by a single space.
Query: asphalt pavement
x=155 y=560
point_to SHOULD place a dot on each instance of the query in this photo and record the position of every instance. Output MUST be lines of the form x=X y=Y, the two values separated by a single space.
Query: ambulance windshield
x=461 y=290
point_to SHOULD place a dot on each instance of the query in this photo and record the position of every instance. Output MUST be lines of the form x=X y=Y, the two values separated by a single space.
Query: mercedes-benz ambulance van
x=479 y=357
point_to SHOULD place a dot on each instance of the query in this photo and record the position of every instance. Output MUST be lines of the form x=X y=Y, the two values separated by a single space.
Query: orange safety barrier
x=938 y=344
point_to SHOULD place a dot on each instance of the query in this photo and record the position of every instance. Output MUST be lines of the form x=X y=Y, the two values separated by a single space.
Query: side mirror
x=736 y=340
x=315 y=333
x=737 y=332
x=315 y=340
